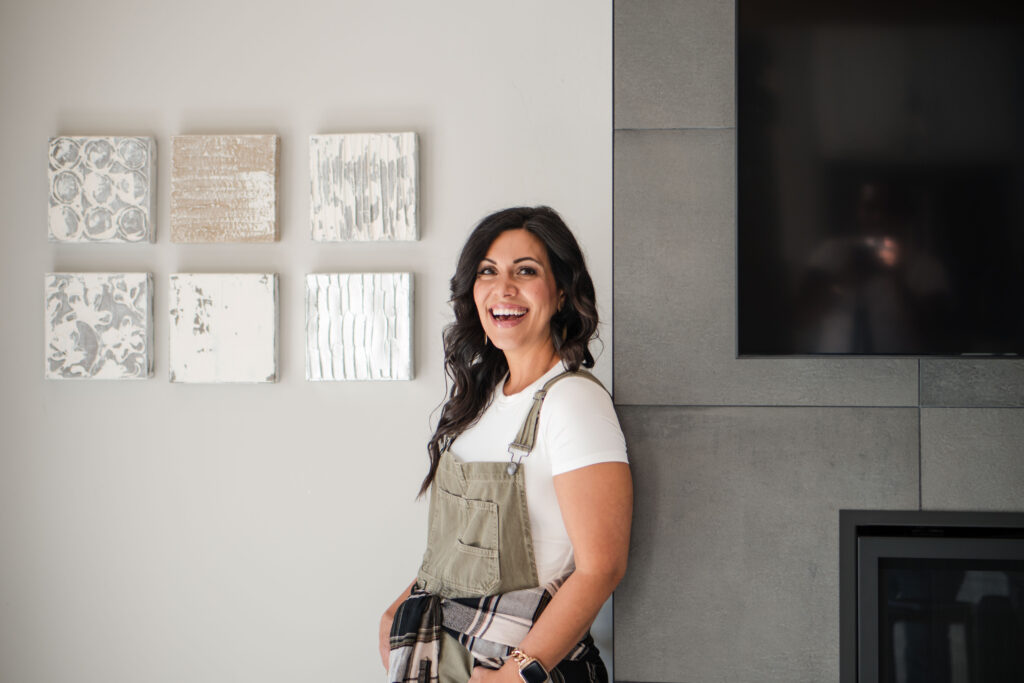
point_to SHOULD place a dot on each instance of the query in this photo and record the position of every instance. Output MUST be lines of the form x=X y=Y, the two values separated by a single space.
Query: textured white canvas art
x=224 y=188
x=99 y=325
x=223 y=327
x=363 y=187
x=102 y=189
x=359 y=326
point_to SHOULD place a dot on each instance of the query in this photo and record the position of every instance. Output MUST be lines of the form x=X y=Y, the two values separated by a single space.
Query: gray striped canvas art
x=363 y=187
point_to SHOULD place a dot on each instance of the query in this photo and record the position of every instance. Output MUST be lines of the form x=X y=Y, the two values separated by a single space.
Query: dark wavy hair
x=475 y=368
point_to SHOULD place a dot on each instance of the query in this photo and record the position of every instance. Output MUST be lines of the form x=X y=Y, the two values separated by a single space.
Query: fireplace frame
x=855 y=524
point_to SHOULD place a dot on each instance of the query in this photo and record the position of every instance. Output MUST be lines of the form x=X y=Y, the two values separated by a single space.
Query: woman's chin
x=518 y=345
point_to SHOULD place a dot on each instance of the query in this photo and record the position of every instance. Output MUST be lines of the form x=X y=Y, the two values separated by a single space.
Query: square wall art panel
x=359 y=326
x=99 y=325
x=223 y=327
x=363 y=187
x=101 y=189
x=224 y=188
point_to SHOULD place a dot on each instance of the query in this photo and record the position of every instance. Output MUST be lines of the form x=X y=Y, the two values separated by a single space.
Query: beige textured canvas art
x=224 y=188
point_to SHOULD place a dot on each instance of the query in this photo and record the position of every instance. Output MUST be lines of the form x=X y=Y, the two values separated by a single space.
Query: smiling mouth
x=505 y=314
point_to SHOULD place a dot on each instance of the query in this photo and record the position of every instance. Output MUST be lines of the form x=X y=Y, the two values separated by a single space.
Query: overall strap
x=523 y=444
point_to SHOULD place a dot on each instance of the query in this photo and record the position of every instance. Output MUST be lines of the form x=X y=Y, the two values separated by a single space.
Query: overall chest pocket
x=462 y=549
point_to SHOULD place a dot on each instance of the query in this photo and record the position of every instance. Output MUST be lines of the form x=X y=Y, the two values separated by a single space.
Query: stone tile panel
x=674 y=64
x=959 y=382
x=972 y=459
x=734 y=557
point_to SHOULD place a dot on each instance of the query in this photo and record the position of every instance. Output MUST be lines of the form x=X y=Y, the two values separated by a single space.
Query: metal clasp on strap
x=518 y=452
x=523 y=445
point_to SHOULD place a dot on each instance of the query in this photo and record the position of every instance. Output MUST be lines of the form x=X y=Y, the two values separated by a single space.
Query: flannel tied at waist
x=489 y=627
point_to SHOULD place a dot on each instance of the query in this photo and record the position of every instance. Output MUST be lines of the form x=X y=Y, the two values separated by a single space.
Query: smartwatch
x=530 y=669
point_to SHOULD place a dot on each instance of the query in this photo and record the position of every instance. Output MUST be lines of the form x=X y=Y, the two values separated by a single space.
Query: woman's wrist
x=530 y=669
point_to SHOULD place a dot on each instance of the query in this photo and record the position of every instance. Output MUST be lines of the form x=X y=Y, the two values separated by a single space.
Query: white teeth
x=508 y=312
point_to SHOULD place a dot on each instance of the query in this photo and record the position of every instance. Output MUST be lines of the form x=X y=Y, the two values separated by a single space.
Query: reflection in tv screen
x=881 y=178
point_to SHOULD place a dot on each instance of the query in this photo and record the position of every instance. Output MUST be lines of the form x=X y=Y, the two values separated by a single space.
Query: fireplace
x=931 y=597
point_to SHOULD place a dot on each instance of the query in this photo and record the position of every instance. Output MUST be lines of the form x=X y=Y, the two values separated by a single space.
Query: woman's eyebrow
x=518 y=260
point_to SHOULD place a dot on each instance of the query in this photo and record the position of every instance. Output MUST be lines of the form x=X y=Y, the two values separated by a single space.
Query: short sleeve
x=579 y=426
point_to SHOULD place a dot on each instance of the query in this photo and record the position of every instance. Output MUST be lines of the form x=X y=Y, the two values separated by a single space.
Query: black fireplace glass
x=946 y=610
x=943 y=620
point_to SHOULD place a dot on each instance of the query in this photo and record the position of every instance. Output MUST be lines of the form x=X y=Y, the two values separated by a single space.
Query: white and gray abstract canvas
x=101 y=189
x=363 y=187
x=99 y=325
x=359 y=326
x=223 y=327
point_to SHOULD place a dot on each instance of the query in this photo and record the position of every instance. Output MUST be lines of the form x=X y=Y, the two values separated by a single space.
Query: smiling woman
x=476 y=366
x=516 y=297
x=529 y=512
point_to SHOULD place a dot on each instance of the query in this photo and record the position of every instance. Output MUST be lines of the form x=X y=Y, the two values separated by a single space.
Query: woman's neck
x=524 y=371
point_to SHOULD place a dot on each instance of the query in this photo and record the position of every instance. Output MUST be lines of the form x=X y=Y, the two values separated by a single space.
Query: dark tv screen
x=880 y=177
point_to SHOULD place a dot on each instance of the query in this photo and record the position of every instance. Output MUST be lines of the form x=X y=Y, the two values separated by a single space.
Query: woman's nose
x=507 y=286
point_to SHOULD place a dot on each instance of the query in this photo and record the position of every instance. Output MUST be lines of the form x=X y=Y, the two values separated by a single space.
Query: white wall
x=157 y=532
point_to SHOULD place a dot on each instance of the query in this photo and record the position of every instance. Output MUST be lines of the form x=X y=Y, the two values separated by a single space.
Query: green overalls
x=479 y=541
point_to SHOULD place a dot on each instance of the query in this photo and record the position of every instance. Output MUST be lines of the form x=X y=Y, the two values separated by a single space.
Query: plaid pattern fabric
x=416 y=639
x=489 y=627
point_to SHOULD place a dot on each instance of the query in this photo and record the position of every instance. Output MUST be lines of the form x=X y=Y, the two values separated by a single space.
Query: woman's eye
x=527 y=270
x=486 y=270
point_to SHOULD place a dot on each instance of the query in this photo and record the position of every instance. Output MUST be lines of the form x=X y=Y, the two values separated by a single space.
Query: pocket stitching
x=488 y=558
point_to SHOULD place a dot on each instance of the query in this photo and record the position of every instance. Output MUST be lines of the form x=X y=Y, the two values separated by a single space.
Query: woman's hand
x=506 y=674
x=386 y=619
x=384 y=642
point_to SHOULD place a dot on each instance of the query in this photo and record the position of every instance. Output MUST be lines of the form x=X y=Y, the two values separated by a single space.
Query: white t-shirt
x=578 y=427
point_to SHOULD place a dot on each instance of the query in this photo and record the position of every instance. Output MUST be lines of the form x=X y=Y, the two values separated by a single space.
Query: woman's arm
x=597 y=507
x=386 y=620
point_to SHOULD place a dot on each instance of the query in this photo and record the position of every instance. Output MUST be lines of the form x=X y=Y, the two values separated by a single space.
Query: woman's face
x=516 y=294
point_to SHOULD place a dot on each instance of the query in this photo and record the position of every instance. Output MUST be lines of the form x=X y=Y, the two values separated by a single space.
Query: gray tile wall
x=742 y=465
x=734 y=535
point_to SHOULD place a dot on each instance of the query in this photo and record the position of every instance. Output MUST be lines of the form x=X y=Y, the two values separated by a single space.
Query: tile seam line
x=798 y=405
x=920 y=444
x=655 y=130
x=751 y=405
x=954 y=407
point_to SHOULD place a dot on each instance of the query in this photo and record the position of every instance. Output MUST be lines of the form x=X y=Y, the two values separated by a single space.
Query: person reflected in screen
x=871 y=290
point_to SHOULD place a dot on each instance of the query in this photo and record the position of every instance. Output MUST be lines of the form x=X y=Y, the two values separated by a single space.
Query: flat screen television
x=880 y=177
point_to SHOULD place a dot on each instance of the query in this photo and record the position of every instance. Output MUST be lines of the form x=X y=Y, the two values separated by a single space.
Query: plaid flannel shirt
x=489 y=627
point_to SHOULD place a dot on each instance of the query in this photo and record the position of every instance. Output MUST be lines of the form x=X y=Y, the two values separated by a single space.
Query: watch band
x=530 y=668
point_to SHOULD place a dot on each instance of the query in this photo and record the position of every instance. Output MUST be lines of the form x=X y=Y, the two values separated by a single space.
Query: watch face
x=533 y=673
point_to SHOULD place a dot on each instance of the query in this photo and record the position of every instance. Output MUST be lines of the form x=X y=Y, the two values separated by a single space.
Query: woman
x=530 y=510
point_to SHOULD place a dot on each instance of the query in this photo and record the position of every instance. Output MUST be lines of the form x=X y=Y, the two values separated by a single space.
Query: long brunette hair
x=475 y=368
